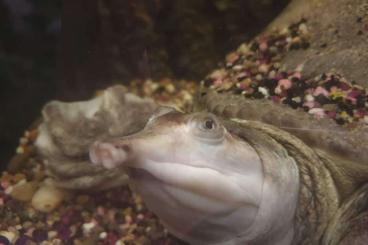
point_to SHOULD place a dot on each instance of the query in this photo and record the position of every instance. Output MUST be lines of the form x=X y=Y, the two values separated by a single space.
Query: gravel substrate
x=254 y=70
x=33 y=212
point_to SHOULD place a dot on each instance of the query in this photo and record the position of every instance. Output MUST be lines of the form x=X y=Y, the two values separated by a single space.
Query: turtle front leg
x=69 y=129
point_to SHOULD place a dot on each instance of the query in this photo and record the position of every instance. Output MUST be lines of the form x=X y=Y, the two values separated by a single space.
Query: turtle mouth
x=185 y=197
x=201 y=181
x=192 y=181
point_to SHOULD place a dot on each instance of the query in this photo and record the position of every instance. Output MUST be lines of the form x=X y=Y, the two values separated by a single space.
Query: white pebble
x=9 y=190
x=47 y=198
x=11 y=236
x=264 y=91
x=238 y=67
x=243 y=48
x=309 y=98
x=303 y=29
x=103 y=235
x=187 y=96
x=297 y=99
x=263 y=68
x=272 y=74
x=317 y=112
x=87 y=227
x=52 y=234
x=170 y=88
x=19 y=150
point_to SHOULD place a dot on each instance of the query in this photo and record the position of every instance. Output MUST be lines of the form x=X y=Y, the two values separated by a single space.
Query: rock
x=47 y=198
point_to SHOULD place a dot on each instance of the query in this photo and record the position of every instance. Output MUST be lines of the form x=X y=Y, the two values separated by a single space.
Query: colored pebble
x=285 y=84
x=256 y=72
x=264 y=91
x=47 y=198
x=320 y=91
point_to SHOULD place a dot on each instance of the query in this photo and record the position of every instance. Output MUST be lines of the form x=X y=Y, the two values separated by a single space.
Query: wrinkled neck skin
x=275 y=221
x=240 y=188
x=319 y=198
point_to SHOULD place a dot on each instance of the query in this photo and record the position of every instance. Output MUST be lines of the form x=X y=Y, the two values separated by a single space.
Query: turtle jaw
x=193 y=211
x=200 y=180
x=194 y=201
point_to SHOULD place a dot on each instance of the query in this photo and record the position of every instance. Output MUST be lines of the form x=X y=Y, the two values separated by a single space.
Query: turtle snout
x=109 y=155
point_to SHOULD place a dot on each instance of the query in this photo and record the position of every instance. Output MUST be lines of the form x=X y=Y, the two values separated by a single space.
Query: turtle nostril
x=123 y=147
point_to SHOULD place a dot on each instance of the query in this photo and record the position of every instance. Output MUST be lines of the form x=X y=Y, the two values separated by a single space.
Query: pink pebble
x=331 y=114
x=320 y=90
x=263 y=46
x=344 y=86
x=100 y=211
x=360 y=113
x=297 y=74
x=242 y=75
x=285 y=84
x=5 y=184
x=352 y=95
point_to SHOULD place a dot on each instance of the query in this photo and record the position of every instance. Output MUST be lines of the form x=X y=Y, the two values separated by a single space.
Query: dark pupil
x=209 y=124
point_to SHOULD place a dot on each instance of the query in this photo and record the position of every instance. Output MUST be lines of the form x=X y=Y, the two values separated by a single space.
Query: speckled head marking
x=207 y=185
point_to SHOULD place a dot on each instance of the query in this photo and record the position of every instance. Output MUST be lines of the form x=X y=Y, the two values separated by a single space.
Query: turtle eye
x=206 y=127
x=209 y=124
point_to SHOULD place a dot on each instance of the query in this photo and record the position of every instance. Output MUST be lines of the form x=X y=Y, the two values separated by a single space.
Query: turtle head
x=205 y=184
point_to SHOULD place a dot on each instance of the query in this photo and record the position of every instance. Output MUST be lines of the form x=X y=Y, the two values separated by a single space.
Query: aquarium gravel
x=254 y=70
x=119 y=216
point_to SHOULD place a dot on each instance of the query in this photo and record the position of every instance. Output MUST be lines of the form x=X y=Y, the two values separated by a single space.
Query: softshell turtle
x=244 y=176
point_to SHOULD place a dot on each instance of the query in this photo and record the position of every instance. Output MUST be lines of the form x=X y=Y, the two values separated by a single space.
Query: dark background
x=67 y=49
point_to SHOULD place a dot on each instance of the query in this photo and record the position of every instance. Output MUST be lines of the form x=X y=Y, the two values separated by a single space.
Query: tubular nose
x=107 y=154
